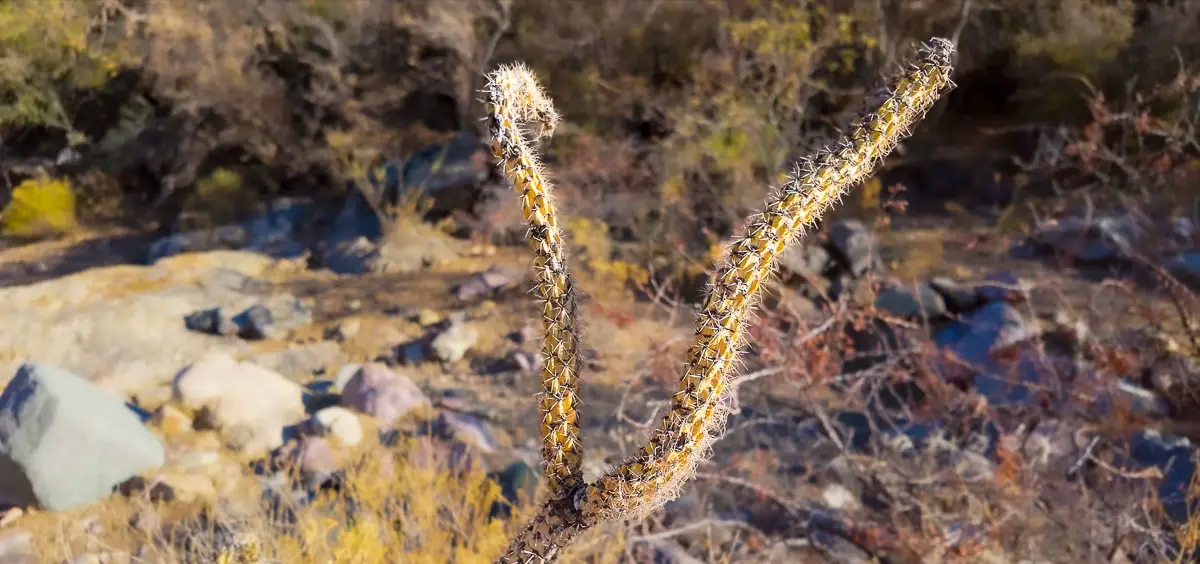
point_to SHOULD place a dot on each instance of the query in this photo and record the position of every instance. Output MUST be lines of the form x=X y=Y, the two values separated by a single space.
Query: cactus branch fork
x=520 y=113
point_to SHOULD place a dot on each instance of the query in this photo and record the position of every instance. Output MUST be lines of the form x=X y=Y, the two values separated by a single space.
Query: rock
x=273 y=233
x=452 y=344
x=527 y=362
x=1176 y=458
x=1186 y=267
x=339 y=423
x=454 y=400
x=416 y=351
x=212 y=322
x=432 y=453
x=851 y=245
x=462 y=162
x=958 y=300
x=837 y=497
x=16 y=547
x=257 y=323
x=155 y=491
x=277 y=322
x=518 y=482
x=925 y=302
x=805 y=262
x=974 y=343
x=427 y=317
x=991 y=327
x=49 y=416
x=247 y=403
x=343 y=377
x=494 y=279
x=1184 y=232
x=1129 y=399
x=300 y=361
x=1105 y=240
x=466 y=428
x=1003 y=287
x=383 y=394
x=318 y=462
x=357 y=255
x=121 y=326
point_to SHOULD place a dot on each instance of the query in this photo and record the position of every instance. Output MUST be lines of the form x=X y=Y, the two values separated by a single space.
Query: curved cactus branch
x=698 y=411
x=655 y=474
x=515 y=99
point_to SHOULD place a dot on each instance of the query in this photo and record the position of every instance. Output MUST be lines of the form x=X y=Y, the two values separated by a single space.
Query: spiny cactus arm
x=515 y=99
x=654 y=475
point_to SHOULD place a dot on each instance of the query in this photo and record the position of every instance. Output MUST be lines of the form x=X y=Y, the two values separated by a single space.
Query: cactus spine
x=655 y=474
x=516 y=98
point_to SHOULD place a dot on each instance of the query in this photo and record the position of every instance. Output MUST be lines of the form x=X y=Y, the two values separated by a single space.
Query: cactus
x=654 y=475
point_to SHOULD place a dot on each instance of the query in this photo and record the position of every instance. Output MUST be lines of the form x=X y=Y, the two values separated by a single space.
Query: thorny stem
x=655 y=474
x=515 y=98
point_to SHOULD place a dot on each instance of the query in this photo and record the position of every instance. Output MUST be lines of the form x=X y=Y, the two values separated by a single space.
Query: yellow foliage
x=219 y=197
x=595 y=254
x=869 y=196
x=39 y=206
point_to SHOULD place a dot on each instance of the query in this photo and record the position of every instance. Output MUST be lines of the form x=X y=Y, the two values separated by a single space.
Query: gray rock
x=494 y=279
x=449 y=173
x=850 y=243
x=272 y=233
x=383 y=394
x=212 y=321
x=343 y=377
x=317 y=461
x=299 y=361
x=50 y=420
x=993 y=326
x=972 y=342
x=465 y=428
x=958 y=300
x=924 y=302
x=805 y=262
x=1103 y=240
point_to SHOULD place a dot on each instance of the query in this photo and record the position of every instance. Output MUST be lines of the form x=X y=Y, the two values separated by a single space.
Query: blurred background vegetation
x=161 y=114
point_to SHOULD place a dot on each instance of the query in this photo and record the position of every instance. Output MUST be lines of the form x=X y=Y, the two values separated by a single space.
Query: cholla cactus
x=682 y=438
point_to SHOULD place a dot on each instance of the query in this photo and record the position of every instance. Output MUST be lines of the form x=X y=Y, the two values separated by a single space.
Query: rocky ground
x=919 y=393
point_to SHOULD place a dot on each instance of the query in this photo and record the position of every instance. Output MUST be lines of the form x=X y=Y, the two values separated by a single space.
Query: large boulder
x=66 y=443
x=248 y=404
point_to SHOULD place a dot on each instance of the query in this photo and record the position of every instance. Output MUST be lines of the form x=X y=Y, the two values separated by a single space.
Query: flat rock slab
x=122 y=327
x=66 y=443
